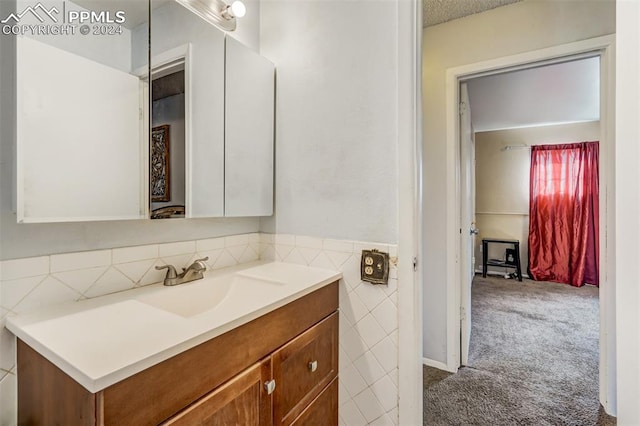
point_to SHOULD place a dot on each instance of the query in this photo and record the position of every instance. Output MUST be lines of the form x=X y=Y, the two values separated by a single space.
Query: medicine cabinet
x=97 y=139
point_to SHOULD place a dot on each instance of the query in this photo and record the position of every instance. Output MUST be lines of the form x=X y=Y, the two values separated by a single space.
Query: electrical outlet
x=374 y=267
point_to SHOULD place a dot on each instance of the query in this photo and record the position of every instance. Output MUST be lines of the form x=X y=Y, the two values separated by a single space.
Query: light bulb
x=238 y=9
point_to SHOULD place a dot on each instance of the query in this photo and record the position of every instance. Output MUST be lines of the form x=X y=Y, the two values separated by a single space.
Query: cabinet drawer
x=323 y=410
x=240 y=401
x=303 y=368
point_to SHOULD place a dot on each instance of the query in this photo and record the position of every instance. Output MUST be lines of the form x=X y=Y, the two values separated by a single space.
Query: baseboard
x=436 y=364
x=499 y=274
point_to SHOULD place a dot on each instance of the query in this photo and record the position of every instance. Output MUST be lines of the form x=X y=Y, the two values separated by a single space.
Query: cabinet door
x=303 y=368
x=249 y=109
x=79 y=135
x=323 y=410
x=241 y=401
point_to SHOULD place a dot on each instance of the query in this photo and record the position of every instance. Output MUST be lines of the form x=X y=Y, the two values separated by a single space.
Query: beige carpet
x=533 y=359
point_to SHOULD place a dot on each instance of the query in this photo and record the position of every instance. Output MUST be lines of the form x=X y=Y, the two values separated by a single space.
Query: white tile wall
x=368 y=356
x=27 y=284
x=368 y=314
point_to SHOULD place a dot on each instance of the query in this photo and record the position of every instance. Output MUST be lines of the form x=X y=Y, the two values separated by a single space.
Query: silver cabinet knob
x=313 y=366
x=270 y=386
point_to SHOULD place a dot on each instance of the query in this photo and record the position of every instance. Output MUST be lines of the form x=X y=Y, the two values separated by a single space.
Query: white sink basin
x=101 y=341
x=196 y=297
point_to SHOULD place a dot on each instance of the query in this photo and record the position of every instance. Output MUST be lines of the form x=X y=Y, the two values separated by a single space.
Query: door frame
x=466 y=178
x=409 y=163
x=604 y=47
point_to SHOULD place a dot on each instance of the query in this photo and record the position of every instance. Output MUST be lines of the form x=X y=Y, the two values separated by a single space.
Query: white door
x=467 y=220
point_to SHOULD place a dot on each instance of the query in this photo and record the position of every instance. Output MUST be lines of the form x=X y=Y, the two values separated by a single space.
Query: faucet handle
x=201 y=262
x=171 y=270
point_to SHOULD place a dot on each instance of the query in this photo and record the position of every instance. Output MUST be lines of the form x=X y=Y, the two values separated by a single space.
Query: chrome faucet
x=193 y=272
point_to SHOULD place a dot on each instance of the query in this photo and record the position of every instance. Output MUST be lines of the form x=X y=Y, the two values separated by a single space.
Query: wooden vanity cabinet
x=303 y=368
x=219 y=382
x=241 y=401
x=323 y=410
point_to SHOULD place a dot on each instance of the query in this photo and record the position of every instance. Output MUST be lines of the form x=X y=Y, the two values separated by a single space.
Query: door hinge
x=462 y=314
x=462 y=107
x=415 y=263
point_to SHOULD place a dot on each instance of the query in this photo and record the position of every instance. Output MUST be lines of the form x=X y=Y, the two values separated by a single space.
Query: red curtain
x=563 y=213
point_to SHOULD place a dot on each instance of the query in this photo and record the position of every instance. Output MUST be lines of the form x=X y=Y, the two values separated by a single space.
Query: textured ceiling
x=438 y=11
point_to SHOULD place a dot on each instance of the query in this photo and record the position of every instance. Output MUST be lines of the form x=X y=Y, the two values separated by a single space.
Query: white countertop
x=101 y=341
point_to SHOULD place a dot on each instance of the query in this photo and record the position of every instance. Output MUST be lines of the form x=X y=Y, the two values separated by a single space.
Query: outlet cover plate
x=374 y=267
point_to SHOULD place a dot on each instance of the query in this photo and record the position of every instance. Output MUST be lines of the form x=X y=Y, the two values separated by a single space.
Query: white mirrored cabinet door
x=249 y=118
x=81 y=130
x=187 y=61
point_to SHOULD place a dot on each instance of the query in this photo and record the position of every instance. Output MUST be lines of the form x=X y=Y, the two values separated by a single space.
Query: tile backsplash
x=29 y=283
x=368 y=357
x=368 y=323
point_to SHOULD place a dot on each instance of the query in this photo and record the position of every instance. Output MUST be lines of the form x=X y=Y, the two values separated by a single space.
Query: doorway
x=509 y=113
x=458 y=289
x=167 y=143
x=519 y=325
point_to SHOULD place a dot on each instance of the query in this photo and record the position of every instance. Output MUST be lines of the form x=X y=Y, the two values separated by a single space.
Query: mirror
x=80 y=127
x=104 y=135
x=226 y=96
x=182 y=41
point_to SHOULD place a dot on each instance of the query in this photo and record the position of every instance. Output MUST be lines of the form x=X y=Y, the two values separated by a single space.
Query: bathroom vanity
x=264 y=351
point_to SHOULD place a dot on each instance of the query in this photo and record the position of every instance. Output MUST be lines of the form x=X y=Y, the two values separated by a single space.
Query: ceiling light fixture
x=217 y=12
x=237 y=9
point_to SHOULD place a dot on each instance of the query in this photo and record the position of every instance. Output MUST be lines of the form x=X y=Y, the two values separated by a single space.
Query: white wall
x=22 y=240
x=502 y=182
x=520 y=27
x=627 y=208
x=336 y=104
x=336 y=174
